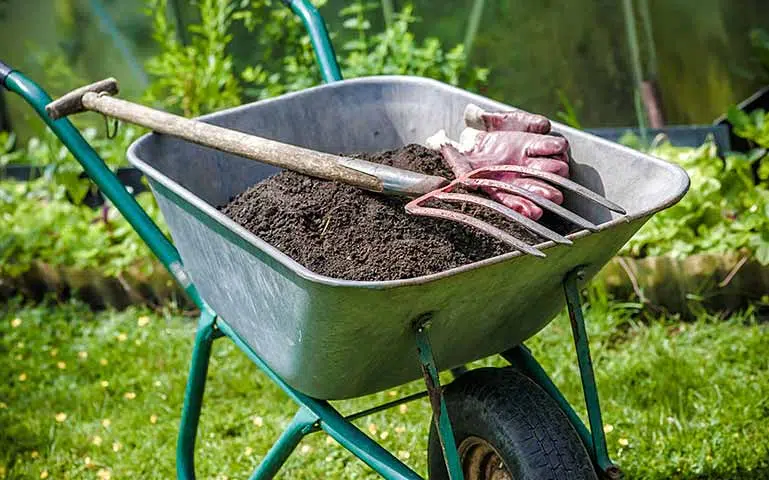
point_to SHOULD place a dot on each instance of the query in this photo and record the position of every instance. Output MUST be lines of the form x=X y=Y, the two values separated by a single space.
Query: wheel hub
x=481 y=461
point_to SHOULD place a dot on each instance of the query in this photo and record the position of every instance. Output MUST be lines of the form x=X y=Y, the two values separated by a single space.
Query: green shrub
x=201 y=76
x=727 y=206
x=40 y=224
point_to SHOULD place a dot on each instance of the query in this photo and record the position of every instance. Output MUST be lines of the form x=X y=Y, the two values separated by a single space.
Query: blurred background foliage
x=542 y=55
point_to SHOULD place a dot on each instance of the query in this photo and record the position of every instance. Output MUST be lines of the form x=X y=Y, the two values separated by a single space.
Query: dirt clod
x=344 y=232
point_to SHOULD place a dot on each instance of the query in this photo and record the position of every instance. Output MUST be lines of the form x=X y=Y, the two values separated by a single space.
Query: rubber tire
x=519 y=420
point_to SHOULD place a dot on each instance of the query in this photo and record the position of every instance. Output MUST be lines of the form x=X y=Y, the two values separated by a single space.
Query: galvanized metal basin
x=334 y=338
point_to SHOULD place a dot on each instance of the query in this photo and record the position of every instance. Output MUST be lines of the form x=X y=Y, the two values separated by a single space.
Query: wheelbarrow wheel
x=507 y=428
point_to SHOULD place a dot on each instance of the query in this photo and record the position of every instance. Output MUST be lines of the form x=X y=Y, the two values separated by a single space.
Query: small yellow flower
x=3 y=405
x=248 y=451
x=305 y=449
x=44 y=474
x=329 y=440
x=104 y=384
x=103 y=474
x=608 y=428
x=129 y=395
x=19 y=357
x=258 y=421
x=34 y=454
x=60 y=417
x=384 y=435
x=393 y=393
x=138 y=342
x=153 y=419
x=88 y=462
x=23 y=377
x=82 y=354
x=54 y=352
x=709 y=458
x=403 y=454
x=103 y=362
x=116 y=446
x=106 y=423
x=2 y=471
x=122 y=337
x=157 y=383
x=623 y=442
x=20 y=345
x=372 y=428
x=403 y=408
x=400 y=429
x=61 y=365
x=96 y=440
x=16 y=322
x=143 y=321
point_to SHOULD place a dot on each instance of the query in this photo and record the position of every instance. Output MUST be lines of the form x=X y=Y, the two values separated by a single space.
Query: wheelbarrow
x=320 y=338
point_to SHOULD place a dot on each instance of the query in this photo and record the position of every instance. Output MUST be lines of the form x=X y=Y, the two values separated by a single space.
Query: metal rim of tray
x=308 y=274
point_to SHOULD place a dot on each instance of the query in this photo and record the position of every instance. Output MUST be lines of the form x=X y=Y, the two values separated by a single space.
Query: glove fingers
x=540 y=188
x=543 y=189
x=547 y=146
x=518 y=121
x=549 y=165
x=519 y=204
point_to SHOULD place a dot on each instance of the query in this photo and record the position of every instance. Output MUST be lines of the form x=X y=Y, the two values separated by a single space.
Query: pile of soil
x=345 y=232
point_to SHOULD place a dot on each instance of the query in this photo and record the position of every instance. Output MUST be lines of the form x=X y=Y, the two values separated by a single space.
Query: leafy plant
x=286 y=61
x=569 y=114
x=724 y=210
x=198 y=77
x=753 y=126
x=395 y=51
x=40 y=224
x=56 y=164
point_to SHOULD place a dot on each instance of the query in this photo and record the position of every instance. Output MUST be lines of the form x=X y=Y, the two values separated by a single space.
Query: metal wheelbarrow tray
x=333 y=338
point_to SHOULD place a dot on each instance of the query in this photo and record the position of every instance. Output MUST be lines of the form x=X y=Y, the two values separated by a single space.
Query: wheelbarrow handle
x=366 y=175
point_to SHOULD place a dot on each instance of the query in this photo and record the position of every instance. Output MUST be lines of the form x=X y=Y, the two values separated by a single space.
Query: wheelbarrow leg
x=600 y=453
x=330 y=420
x=193 y=395
x=300 y=425
x=437 y=402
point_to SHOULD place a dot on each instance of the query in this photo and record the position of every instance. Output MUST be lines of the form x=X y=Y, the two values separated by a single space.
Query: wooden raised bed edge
x=92 y=286
x=711 y=282
x=705 y=282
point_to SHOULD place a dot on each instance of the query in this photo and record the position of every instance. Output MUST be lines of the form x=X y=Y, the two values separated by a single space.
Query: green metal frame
x=321 y=43
x=313 y=415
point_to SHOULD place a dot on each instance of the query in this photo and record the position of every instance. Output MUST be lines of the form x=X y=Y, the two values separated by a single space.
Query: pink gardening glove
x=514 y=120
x=541 y=152
x=508 y=138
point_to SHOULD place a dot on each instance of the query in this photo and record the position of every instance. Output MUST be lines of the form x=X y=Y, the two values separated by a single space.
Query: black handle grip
x=5 y=70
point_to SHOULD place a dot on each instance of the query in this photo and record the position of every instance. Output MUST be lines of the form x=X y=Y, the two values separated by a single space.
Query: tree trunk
x=651 y=99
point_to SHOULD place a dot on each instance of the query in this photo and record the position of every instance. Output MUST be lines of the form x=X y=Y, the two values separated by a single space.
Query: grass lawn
x=98 y=395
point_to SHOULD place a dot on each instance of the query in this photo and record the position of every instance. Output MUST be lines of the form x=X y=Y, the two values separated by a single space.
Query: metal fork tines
x=533 y=197
x=415 y=208
x=469 y=180
x=550 y=177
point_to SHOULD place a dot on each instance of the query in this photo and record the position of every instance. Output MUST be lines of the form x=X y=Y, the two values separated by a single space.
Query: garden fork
x=359 y=173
